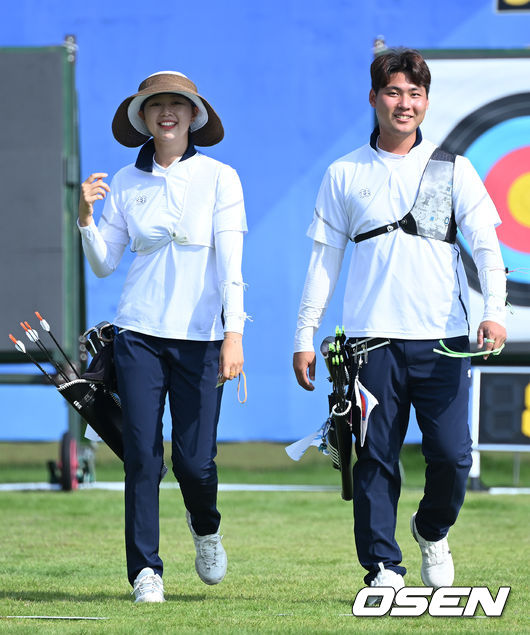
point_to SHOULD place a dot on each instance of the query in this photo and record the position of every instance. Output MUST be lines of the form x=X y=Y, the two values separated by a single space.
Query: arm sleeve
x=104 y=245
x=330 y=224
x=473 y=206
x=229 y=226
x=491 y=272
x=477 y=218
x=228 y=253
x=103 y=256
x=229 y=212
x=322 y=275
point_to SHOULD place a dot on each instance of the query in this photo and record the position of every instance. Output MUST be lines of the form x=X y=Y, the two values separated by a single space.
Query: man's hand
x=302 y=363
x=492 y=335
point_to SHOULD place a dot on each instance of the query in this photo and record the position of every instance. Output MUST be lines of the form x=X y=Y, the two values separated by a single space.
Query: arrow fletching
x=18 y=344
x=32 y=334
x=43 y=322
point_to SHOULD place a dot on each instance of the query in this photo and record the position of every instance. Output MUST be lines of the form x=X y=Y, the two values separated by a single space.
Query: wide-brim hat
x=130 y=129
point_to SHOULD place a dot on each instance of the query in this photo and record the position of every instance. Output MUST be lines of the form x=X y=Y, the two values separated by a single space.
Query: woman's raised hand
x=93 y=189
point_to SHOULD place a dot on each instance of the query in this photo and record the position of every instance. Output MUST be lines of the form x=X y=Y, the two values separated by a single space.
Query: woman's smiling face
x=168 y=116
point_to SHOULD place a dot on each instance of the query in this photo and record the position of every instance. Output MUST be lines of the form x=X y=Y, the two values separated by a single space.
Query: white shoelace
x=150 y=583
x=208 y=548
x=436 y=552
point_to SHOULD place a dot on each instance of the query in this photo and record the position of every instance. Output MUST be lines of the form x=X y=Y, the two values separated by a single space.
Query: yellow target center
x=519 y=199
x=516 y=3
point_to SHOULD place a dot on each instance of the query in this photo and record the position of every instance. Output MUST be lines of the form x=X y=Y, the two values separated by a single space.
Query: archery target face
x=496 y=139
x=480 y=108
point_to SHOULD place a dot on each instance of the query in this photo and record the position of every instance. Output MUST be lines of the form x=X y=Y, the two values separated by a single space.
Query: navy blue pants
x=148 y=369
x=402 y=373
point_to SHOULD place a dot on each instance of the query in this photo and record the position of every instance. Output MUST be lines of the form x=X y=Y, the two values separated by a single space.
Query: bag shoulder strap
x=407 y=223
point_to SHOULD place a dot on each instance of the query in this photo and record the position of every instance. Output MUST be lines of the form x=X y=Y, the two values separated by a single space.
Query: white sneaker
x=148 y=587
x=387 y=578
x=211 y=560
x=437 y=569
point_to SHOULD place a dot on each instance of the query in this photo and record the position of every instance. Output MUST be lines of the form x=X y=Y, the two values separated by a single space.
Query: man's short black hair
x=401 y=60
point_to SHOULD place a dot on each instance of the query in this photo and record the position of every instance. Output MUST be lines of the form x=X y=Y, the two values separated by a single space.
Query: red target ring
x=508 y=183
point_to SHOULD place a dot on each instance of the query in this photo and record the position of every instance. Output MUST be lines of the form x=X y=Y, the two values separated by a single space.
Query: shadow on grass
x=57 y=596
x=54 y=596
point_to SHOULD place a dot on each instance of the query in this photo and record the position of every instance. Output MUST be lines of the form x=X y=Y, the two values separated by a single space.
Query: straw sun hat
x=130 y=130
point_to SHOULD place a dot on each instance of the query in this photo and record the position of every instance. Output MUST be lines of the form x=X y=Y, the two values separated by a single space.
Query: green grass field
x=292 y=566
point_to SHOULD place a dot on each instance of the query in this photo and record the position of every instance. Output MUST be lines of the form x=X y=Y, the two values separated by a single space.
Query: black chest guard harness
x=432 y=214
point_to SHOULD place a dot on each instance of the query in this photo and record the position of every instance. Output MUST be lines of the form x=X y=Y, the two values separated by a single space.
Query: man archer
x=400 y=200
